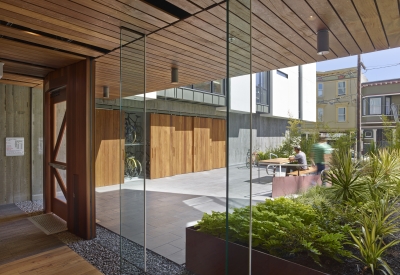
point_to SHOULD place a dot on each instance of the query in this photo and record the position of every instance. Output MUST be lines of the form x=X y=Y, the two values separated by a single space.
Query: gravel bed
x=104 y=251
x=32 y=208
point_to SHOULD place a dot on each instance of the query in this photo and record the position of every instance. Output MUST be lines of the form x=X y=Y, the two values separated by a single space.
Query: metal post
x=358 y=107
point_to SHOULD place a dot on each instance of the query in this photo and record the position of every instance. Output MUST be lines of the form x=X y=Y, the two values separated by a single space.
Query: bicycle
x=133 y=167
x=252 y=158
x=133 y=131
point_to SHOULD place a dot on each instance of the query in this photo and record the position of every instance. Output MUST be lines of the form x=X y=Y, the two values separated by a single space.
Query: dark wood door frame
x=77 y=82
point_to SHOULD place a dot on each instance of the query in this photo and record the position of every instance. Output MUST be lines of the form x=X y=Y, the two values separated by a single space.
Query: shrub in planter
x=281 y=227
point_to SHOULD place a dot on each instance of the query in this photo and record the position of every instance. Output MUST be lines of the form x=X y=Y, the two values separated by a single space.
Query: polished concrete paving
x=173 y=203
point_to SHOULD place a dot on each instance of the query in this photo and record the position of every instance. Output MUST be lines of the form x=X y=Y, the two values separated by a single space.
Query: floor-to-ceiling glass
x=133 y=150
x=240 y=151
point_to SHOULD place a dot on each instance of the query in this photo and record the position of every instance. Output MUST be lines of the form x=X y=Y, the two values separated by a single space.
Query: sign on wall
x=14 y=146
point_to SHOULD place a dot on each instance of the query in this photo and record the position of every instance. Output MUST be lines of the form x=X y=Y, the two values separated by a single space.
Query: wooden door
x=160 y=143
x=57 y=153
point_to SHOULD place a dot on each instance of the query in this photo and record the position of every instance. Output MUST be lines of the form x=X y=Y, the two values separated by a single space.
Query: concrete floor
x=173 y=203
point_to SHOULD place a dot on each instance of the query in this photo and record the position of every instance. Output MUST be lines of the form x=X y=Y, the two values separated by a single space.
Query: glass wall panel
x=133 y=147
x=241 y=104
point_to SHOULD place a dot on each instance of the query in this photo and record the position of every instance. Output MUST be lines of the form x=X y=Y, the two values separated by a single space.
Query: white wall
x=240 y=94
x=309 y=99
x=285 y=93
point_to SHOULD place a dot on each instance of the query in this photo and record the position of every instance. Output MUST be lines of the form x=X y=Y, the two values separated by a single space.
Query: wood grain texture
x=283 y=34
x=182 y=144
x=15 y=121
x=20 y=238
x=391 y=20
x=61 y=260
x=109 y=146
x=369 y=15
x=76 y=79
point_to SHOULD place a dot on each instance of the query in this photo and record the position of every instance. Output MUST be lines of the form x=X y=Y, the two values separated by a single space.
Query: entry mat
x=49 y=223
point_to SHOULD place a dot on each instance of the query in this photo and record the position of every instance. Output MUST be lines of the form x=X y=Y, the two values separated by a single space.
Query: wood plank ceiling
x=38 y=36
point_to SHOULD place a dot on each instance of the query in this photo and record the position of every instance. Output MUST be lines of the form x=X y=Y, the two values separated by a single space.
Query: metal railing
x=186 y=94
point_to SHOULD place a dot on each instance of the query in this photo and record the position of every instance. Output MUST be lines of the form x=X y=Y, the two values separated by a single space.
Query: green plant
x=344 y=176
x=371 y=248
x=281 y=227
x=383 y=213
x=382 y=172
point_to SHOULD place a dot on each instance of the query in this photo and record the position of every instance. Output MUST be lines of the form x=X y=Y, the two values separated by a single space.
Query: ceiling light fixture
x=106 y=92
x=1 y=70
x=174 y=76
x=323 y=42
x=32 y=33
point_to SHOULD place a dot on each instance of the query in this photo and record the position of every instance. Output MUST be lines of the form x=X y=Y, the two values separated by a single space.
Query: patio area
x=173 y=203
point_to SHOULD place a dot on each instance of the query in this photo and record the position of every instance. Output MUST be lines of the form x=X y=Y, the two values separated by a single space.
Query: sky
x=373 y=62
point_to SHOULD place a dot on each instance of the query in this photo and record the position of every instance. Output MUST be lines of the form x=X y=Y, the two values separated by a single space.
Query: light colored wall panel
x=15 y=121
x=37 y=144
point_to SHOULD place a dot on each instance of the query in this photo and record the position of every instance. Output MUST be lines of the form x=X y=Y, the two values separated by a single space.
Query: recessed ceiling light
x=231 y=39
x=32 y=33
x=311 y=17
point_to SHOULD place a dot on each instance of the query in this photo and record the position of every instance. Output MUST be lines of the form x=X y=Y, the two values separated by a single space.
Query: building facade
x=336 y=93
x=379 y=99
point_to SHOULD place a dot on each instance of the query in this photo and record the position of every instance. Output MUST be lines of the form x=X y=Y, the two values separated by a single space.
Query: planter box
x=283 y=186
x=205 y=255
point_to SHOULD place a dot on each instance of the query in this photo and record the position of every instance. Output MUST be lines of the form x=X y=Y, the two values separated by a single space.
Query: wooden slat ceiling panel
x=47 y=41
x=21 y=52
x=370 y=17
x=58 y=27
x=349 y=16
x=311 y=19
x=390 y=14
x=24 y=69
x=16 y=79
x=186 y=5
x=283 y=35
x=327 y=14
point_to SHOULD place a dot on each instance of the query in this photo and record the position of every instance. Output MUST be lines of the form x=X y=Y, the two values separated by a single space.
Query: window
x=375 y=106
x=320 y=114
x=341 y=111
x=282 y=74
x=368 y=133
x=364 y=108
x=320 y=89
x=262 y=88
x=205 y=86
x=341 y=87
x=218 y=86
x=387 y=105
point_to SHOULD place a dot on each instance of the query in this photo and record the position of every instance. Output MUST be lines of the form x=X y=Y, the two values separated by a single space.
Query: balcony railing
x=391 y=111
x=186 y=94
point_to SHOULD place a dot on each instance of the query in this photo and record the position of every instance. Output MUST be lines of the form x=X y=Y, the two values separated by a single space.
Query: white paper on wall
x=14 y=146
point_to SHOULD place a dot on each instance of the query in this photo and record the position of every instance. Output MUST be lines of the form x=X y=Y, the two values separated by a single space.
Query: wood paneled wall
x=15 y=121
x=108 y=150
x=181 y=144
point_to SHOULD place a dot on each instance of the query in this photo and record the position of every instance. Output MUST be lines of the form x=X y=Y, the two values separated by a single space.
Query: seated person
x=300 y=157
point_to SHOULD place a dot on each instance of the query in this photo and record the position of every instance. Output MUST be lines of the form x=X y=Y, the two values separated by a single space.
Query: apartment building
x=379 y=99
x=336 y=99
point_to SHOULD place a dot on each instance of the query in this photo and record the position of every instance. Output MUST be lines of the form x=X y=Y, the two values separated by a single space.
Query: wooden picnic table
x=277 y=161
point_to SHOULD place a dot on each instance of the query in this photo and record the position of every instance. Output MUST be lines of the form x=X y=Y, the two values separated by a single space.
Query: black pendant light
x=323 y=42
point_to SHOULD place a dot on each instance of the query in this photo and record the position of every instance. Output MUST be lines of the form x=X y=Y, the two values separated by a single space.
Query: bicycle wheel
x=138 y=168
x=248 y=164
x=138 y=133
x=129 y=134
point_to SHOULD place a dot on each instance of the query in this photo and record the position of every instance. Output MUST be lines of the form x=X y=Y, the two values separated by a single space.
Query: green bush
x=282 y=227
